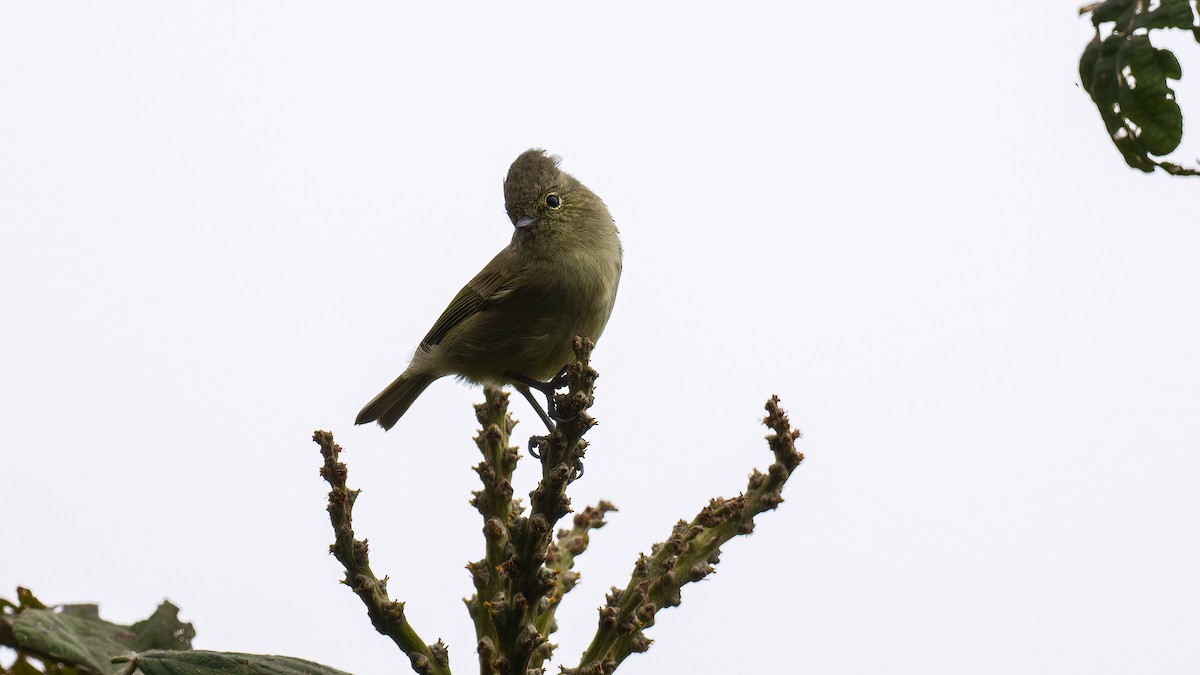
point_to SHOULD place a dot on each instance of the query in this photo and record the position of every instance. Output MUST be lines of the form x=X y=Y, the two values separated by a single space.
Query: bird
x=515 y=322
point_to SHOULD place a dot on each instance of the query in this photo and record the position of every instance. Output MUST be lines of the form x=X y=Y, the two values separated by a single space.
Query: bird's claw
x=559 y=418
x=560 y=380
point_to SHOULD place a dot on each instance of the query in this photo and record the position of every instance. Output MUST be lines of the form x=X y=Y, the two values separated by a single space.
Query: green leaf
x=77 y=635
x=1178 y=170
x=1150 y=103
x=1127 y=78
x=1113 y=10
x=71 y=639
x=1104 y=92
x=1169 y=64
x=27 y=600
x=1168 y=14
x=161 y=644
x=163 y=630
x=221 y=663
x=1087 y=66
x=1129 y=15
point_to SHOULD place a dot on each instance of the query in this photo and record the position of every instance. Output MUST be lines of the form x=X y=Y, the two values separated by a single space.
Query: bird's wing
x=489 y=285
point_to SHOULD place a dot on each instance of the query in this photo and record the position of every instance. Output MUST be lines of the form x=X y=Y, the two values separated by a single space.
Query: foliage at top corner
x=1126 y=76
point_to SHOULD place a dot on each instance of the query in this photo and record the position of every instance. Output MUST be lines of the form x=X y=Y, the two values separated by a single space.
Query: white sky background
x=225 y=226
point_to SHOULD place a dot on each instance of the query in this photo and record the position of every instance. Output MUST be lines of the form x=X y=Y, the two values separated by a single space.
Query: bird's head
x=540 y=197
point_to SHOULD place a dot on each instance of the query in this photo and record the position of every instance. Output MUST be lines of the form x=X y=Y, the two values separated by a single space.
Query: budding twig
x=524 y=574
x=386 y=615
x=561 y=558
x=517 y=588
x=687 y=555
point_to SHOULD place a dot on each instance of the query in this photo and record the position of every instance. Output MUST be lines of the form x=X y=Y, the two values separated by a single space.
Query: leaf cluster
x=74 y=640
x=1127 y=78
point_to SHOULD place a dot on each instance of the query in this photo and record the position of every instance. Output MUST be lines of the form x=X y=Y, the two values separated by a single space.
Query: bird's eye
x=553 y=201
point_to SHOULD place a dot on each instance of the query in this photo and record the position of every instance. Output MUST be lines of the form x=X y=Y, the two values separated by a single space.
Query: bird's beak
x=525 y=222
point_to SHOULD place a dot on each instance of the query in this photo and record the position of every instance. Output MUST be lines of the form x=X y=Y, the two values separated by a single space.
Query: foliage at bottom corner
x=74 y=640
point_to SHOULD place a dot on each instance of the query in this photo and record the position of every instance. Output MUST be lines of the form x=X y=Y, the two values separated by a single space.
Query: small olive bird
x=515 y=322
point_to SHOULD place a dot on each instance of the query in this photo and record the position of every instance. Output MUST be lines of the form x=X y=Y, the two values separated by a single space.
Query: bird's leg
x=560 y=380
x=547 y=389
x=524 y=389
x=523 y=384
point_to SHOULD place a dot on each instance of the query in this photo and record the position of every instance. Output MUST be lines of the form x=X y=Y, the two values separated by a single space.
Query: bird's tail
x=394 y=401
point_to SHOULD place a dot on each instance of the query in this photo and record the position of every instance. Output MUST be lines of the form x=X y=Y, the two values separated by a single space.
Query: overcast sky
x=225 y=225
